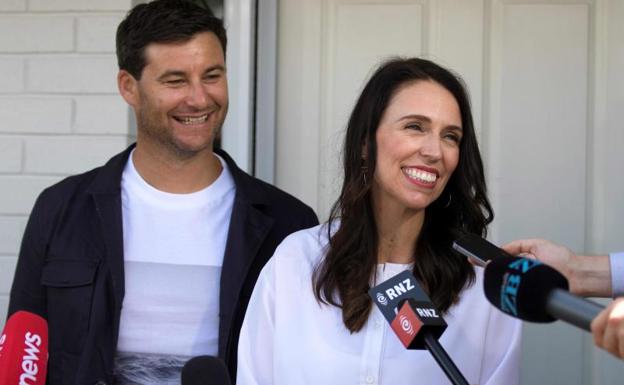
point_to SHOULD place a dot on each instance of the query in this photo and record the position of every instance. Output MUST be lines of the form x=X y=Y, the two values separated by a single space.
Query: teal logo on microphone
x=511 y=283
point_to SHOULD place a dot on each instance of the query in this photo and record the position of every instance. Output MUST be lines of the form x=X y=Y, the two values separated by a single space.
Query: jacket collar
x=249 y=227
x=247 y=188
x=108 y=180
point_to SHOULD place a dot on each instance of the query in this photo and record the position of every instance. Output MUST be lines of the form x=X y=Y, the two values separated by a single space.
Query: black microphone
x=205 y=370
x=414 y=319
x=532 y=291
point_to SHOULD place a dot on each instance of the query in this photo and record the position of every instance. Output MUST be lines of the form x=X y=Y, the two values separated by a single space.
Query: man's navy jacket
x=71 y=265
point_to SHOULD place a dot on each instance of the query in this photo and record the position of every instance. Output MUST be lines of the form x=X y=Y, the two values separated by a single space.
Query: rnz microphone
x=414 y=319
x=532 y=291
x=24 y=350
x=205 y=370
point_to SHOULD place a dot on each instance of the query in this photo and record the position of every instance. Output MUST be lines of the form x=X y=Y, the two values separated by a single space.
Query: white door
x=248 y=133
x=548 y=99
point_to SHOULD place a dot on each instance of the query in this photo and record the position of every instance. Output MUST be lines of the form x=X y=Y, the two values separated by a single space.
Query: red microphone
x=24 y=350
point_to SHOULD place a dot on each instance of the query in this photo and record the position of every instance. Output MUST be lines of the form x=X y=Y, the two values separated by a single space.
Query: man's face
x=181 y=99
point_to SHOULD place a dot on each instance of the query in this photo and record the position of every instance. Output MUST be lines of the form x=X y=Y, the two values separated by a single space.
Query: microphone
x=478 y=250
x=205 y=370
x=414 y=319
x=532 y=291
x=24 y=349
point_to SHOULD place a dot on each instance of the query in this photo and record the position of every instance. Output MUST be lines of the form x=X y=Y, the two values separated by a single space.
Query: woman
x=413 y=182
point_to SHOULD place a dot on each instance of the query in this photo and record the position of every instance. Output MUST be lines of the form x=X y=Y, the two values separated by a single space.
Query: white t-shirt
x=173 y=253
x=288 y=338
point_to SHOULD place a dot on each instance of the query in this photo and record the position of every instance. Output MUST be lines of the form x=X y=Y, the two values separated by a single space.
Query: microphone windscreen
x=520 y=287
x=205 y=370
x=24 y=349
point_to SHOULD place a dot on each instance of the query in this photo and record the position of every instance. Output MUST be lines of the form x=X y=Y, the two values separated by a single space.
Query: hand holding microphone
x=608 y=328
x=588 y=276
x=540 y=294
x=526 y=288
x=532 y=291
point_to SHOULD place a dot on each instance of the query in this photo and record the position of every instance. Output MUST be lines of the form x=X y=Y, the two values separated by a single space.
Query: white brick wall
x=71 y=154
x=11 y=75
x=38 y=33
x=80 y=5
x=6 y=264
x=26 y=114
x=4 y=304
x=12 y=5
x=59 y=109
x=83 y=74
x=89 y=112
x=18 y=192
x=10 y=154
x=97 y=33
x=11 y=229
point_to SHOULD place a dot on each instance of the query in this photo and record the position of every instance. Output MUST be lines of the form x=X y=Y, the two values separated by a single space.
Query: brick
x=72 y=74
x=36 y=33
x=35 y=115
x=13 y=5
x=4 y=306
x=11 y=75
x=97 y=33
x=10 y=154
x=18 y=193
x=79 y=5
x=7 y=269
x=101 y=115
x=11 y=230
x=70 y=155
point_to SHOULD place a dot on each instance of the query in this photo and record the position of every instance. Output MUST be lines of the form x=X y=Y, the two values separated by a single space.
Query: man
x=589 y=276
x=150 y=259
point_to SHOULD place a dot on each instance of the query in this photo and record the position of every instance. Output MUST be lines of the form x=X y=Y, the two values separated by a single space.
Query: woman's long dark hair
x=343 y=278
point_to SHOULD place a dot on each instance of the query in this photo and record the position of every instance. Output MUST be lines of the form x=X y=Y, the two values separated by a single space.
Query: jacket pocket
x=69 y=286
x=67 y=273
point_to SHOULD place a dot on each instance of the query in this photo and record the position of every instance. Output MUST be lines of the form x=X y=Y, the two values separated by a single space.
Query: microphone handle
x=443 y=359
x=567 y=307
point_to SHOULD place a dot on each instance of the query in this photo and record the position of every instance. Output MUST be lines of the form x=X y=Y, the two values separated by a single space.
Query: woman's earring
x=448 y=203
x=364 y=171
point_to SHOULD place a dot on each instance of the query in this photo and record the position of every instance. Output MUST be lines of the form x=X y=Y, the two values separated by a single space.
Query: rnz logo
x=382 y=299
x=406 y=325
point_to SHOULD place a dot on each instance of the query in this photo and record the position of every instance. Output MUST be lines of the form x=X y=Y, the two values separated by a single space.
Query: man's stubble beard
x=156 y=132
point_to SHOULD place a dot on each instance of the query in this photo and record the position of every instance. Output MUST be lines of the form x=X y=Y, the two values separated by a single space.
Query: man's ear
x=128 y=87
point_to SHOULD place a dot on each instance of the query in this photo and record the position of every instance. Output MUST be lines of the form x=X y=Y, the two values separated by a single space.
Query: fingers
x=598 y=326
x=523 y=246
x=615 y=328
x=608 y=328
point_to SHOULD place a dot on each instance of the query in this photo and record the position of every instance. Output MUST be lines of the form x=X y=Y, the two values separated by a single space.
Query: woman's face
x=417 y=146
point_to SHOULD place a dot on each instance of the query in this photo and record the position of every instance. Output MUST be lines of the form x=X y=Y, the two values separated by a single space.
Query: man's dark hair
x=343 y=278
x=161 y=21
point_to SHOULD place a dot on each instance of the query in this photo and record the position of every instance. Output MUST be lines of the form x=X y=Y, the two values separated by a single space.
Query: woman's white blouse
x=288 y=338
